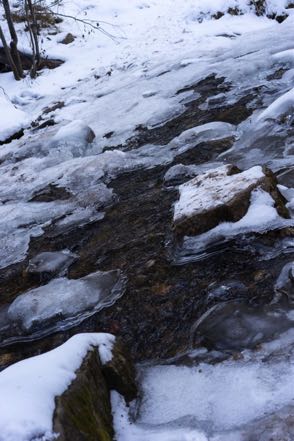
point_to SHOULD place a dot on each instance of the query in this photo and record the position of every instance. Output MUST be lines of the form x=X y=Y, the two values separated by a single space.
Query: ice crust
x=64 y=302
x=229 y=400
x=51 y=262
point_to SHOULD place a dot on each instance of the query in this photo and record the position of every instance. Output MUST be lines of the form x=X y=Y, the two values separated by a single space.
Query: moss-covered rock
x=83 y=411
x=120 y=373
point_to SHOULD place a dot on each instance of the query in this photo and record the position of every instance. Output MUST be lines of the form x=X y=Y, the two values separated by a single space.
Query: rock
x=120 y=373
x=83 y=412
x=221 y=195
x=64 y=394
x=69 y=38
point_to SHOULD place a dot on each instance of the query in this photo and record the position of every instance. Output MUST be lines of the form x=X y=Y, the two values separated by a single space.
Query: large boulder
x=83 y=411
x=221 y=195
x=64 y=394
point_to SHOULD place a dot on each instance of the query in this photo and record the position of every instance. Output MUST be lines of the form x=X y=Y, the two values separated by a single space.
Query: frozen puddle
x=245 y=398
x=59 y=305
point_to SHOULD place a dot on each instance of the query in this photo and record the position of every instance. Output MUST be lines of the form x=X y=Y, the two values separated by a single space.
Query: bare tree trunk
x=34 y=28
x=33 y=71
x=14 y=42
x=8 y=56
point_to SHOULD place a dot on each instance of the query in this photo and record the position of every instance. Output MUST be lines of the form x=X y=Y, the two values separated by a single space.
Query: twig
x=89 y=23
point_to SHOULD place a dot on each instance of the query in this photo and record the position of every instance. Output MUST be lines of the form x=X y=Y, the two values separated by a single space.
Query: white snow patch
x=12 y=119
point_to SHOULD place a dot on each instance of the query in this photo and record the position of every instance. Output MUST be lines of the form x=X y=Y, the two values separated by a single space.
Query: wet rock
x=69 y=38
x=83 y=412
x=120 y=373
x=51 y=193
x=221 y=195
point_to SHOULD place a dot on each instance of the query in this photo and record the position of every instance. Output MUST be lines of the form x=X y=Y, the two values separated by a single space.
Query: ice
x=180 y=172
x=29 y=388
x=229 y=400
x=51 y=262
x=156 y=55
x=65 y=302
x=206 y=132
x=213 y=188
x=284 y=285
x=280 y=106
x=207 y=393
x=19 y=222
x=233 y=325
x=72 y=139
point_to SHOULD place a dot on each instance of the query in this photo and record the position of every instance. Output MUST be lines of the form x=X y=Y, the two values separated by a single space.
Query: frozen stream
x=90 y=196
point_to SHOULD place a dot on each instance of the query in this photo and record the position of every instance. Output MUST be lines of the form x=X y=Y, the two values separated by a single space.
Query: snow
x=12 y=119
x=212 y=189
x=221 y=401
x=29 y=388
x=66 y=301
